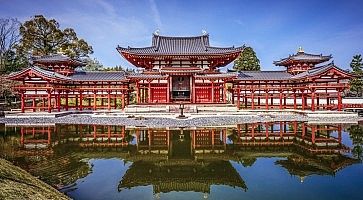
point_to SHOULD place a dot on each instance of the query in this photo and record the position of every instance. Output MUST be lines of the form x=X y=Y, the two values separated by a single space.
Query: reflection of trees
x=356 y=135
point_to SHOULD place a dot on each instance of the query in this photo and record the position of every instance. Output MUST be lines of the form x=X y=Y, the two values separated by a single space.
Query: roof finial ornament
x=204 y=32
x=157 y=32
x=300 y=50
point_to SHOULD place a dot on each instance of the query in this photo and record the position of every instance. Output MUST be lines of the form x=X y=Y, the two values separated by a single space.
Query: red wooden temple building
x=181 y=69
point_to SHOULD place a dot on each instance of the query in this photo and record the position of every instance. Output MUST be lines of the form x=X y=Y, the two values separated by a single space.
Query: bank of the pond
x=15 y=183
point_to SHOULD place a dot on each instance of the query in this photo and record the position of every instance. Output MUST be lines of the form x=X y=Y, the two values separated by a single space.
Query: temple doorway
x=180 y=88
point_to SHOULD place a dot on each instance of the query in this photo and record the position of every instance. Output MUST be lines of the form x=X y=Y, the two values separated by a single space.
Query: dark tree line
x=356 y=84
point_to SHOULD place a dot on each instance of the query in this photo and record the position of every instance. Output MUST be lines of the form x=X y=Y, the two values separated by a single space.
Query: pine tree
x=40 y=36
x=356 y=84
x=247 y=61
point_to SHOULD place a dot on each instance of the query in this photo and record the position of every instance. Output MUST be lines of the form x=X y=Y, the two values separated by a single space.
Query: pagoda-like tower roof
x=56 y=59
x=181 y=48
x=302 y=57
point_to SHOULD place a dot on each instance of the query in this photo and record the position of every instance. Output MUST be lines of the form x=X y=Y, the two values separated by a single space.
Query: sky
x=273 y=28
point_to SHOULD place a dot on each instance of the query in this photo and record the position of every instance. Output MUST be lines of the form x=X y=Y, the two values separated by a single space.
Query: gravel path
x=167 y=121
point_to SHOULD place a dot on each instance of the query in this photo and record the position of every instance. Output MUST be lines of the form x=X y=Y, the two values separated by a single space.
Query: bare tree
x=9 y=37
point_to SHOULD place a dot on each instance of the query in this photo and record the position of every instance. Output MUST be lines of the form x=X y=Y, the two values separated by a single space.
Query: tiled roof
x=317 y=70
x=164 y=45
x=181 y=69
x=302 y=56
x=217 y=75
x=98 y=76
x=40 y=71
x=263 y=75
x=56 y=58
x=147 y=76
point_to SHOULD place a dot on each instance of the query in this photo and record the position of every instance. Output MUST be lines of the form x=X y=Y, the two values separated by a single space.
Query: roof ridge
x=309 y=54
x=264 y=71
x=181 y=37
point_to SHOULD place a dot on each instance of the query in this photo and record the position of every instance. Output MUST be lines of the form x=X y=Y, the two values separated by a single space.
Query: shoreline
x=16 y=183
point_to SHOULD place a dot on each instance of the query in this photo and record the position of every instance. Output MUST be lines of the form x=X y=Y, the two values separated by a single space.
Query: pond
x=276 y=160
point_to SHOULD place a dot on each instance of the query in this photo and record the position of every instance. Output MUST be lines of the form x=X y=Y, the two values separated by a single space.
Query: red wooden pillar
x=285 y=101
x=66 y=100
x=280 y=97
x=212 y=96
x=295 y=103
x=191 y=86
x=22 y=104
x=76 y=102
x=115 y=100
x=252 y=99
x=149 y=99
x=313 y=100
x=339 y=100
x=238 y=99
x=43 y=105
x=168 y=90
x=123 y=101
x=81 y=101
x=194 y=94
x=224 y=92
x=94 y=100
x=302 y=101
x=102 y=103
x=109 y=100
x=266 y=99
x=33 y=104
x=138 y=93
x=59 y=101
x=49 y=102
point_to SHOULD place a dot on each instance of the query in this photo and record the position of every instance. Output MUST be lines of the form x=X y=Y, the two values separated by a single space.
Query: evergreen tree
x=356 y=84
x=92 y=65
x=247 y=61
x=40 y=36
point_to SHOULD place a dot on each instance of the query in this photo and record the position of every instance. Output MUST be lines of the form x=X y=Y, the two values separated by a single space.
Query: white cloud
x=104 y=27
x=155 y=14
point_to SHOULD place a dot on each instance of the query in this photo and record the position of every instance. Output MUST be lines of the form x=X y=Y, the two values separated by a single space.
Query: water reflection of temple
x=183 y=159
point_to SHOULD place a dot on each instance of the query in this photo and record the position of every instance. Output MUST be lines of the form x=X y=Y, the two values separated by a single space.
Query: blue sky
x=273 y=28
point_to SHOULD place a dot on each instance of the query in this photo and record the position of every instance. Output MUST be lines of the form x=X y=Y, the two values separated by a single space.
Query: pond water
x=277 y=160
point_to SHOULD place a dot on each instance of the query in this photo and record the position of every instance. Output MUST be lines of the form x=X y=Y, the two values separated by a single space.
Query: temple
x=176 y=70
